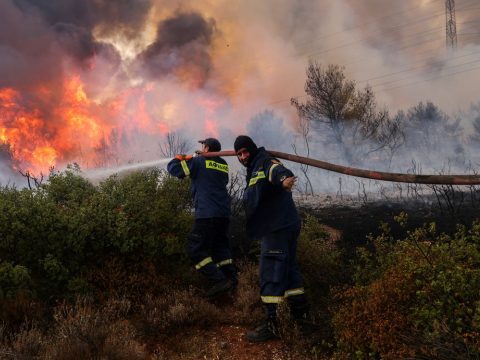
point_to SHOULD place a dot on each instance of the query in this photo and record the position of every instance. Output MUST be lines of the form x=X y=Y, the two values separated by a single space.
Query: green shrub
x=417 y=296
x=319 y=258
x=13 y=279
x=65 y=227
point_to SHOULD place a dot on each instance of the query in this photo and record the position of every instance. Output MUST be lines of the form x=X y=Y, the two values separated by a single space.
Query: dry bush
x=16 y=311
x=307 y=341
x=83 y=331
x=375 y=320
x=287 y=328
x=175 y=310
x=414 y=298
x=446 y=345
x=323 y=267
x=198 y=344
x=247 y=307
x=28 y=343
x=118 y=279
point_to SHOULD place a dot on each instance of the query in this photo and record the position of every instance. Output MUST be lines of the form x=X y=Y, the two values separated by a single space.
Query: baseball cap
x=212 y=143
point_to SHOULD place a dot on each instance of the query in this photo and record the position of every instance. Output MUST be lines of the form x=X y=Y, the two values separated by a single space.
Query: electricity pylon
x=451 y=24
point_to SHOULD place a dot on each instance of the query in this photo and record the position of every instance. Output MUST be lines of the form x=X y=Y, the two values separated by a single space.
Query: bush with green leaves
x=13 y=279
x=51 y=235
x=416 y=297
x=319 y=258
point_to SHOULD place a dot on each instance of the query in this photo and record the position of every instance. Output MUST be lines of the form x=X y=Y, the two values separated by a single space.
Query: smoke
x=103 y=82
x=125 y=16
x=182 y=42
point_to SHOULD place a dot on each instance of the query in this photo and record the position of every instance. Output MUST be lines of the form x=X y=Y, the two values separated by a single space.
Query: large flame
x=79 y=129
x=75 y=129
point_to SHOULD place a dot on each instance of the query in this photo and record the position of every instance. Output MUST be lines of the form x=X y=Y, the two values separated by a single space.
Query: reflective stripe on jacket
x=209 y=184
x=268 y=206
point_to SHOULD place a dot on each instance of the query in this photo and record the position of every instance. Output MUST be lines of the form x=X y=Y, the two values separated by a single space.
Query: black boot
x=219 y=287
x=264 y=332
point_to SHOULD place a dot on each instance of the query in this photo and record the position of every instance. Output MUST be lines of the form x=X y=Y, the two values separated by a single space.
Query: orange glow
x=211 y=128
x=211 y=105
x=40 y=139
x=7 y=96
x=44 y=157
x=74 y=87
x=50 y=127
x=163 y=128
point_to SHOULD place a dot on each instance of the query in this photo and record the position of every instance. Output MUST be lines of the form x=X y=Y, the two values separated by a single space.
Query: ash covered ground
x=358 y=216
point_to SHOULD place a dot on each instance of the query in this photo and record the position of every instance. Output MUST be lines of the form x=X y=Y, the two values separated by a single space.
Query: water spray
x=104 y=172
x=369 y=174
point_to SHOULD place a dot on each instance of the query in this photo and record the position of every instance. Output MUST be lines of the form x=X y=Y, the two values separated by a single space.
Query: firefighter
x=207 y=244
x=273 y=219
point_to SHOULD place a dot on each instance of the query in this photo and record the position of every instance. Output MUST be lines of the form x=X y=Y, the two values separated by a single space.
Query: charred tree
x=348 y=117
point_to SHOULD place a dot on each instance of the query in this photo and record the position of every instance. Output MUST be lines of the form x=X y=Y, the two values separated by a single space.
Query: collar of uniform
x=259 y=156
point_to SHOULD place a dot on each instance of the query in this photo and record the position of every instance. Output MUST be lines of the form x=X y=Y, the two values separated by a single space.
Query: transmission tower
x=451 y=24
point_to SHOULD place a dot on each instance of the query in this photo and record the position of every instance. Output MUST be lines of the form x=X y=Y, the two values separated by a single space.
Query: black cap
x=244 y=141
x=212 y=143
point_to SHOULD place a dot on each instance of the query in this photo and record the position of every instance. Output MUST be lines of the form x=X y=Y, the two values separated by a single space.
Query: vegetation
x=52 y=235
x=347 y=117
x=415 y=297
x=100 y=270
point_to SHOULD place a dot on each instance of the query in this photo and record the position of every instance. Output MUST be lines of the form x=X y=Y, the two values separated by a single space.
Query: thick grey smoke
x=35 y=43
x=80 y=44
x=182 y=41
x=123 y=16
x=236 y=59
x=27 y=56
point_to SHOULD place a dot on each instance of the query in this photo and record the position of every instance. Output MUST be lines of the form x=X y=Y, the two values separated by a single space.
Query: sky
x=101 y=83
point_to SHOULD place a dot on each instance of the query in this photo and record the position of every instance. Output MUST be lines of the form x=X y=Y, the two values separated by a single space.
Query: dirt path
x=225 y=342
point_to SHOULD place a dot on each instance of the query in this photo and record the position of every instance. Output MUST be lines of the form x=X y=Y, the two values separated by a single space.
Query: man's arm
x=180 y=166
x=279 y=175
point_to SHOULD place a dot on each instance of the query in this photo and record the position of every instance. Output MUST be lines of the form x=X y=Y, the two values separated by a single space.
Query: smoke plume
x=103 y=82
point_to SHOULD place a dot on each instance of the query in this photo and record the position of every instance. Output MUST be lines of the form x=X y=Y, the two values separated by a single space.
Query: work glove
x=183 y=157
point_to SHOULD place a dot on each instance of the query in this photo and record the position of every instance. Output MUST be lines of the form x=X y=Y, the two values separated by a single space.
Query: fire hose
x=369 y=174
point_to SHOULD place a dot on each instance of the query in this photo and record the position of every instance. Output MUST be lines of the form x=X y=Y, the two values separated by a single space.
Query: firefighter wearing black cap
x=207 y=244
x=273 y=219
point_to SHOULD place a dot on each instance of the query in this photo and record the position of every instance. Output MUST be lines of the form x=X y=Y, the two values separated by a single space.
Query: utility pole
x=451 y=24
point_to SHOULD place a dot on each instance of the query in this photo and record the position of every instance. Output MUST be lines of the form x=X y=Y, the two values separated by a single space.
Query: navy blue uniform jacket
x=268 y=206
x=209 y=184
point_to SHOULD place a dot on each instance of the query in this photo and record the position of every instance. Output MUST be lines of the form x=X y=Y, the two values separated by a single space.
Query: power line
x=435 y=77
x=409 y=77
x=394 y=29
x=375 y=20
x=416 y=67
x=431 y=71
x=397 y=27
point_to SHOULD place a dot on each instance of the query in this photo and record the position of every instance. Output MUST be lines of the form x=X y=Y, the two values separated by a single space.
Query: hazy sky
x=78 y=77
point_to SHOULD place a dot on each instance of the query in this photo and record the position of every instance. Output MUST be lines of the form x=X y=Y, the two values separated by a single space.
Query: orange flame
x=74 y=127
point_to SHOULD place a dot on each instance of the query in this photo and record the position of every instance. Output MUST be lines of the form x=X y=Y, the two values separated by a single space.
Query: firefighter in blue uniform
x=208 y=245
x=273 y=219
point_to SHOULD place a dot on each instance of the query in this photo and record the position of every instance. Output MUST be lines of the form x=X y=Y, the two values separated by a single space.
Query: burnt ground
x=357 y=221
